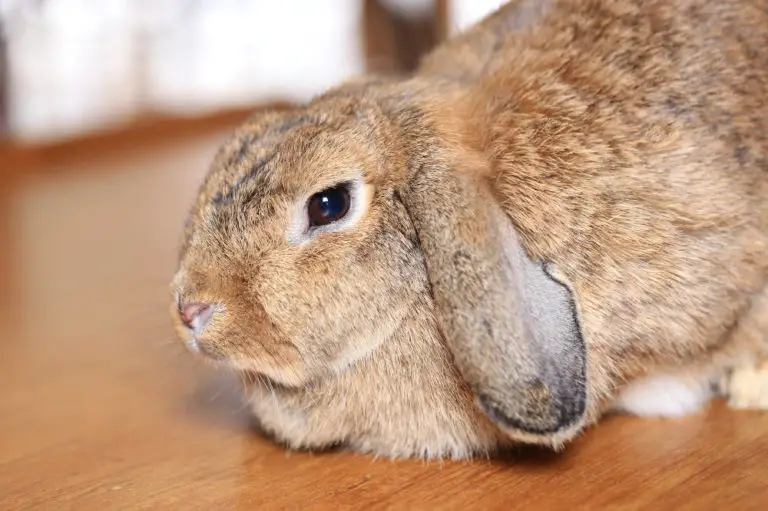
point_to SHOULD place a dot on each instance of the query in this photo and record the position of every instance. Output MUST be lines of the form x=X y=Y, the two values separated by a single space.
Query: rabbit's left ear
x=510 y=323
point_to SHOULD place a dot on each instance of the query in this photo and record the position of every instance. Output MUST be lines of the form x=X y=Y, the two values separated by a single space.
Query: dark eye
x=328 y=206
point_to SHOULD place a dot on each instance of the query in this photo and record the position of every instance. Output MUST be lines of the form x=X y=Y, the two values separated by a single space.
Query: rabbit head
x=292 y=251
x=350 y=254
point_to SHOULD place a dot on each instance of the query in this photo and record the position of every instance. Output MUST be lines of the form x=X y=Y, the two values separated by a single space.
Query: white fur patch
x=664 y=396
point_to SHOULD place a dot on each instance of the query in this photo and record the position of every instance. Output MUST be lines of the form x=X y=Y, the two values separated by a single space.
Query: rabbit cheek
x=252 y=342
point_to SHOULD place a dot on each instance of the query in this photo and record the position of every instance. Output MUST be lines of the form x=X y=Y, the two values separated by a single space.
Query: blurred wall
x=79 y=64
x=76 y=66
x=463 y=13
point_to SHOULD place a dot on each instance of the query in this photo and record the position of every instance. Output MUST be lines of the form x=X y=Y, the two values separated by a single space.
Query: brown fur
x=627 y=142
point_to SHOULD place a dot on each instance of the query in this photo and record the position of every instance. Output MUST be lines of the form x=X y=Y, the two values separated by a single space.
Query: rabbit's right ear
x=510 y=322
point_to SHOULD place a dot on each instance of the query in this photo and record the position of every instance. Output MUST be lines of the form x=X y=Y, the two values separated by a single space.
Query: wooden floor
x=100 y=407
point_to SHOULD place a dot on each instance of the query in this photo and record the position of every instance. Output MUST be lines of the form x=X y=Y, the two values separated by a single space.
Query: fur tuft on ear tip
x=532 y=410
x=538 y=416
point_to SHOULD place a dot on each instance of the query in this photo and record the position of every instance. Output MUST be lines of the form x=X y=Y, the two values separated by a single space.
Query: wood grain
x=102 y=409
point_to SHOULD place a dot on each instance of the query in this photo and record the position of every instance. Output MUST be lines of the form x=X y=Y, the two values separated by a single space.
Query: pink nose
x=196 y=315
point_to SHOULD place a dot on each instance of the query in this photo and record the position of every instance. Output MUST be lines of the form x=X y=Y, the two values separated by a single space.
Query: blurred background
x=73 y=67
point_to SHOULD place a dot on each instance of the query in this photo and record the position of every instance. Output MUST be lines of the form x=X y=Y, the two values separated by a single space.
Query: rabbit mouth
x=254 y=372
x=193 y=345
x=200 y=348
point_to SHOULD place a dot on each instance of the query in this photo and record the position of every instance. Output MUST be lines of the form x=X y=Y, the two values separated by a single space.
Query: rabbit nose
x=196 y=315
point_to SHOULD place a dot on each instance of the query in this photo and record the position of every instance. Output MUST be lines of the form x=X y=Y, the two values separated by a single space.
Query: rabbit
x=562 y=214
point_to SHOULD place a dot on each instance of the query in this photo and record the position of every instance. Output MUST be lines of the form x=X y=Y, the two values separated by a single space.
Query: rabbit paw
x=747 y=387
x=664 y=396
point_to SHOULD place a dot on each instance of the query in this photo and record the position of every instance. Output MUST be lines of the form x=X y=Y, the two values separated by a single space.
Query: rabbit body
x=629 y=145
x=617 y=147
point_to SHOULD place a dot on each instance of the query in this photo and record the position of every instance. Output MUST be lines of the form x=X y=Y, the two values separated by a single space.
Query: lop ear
x=511 y=323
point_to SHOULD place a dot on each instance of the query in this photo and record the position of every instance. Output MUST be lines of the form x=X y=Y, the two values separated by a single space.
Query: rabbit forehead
x=247 y=156
x=294 y=156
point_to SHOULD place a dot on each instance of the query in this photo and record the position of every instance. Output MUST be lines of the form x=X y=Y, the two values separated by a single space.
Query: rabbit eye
x=328 y=206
